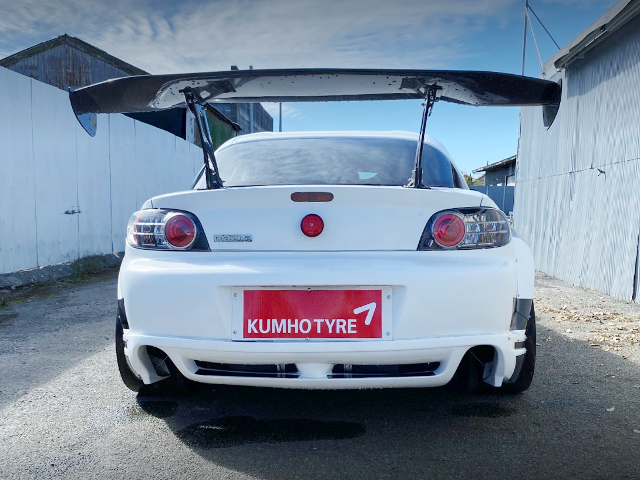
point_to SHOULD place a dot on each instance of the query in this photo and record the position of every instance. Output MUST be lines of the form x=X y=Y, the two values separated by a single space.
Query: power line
x=528 y=23
x=542 y=24
x=535 y=44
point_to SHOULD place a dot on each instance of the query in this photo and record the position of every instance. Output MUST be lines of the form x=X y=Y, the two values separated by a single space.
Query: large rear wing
x=147 y=93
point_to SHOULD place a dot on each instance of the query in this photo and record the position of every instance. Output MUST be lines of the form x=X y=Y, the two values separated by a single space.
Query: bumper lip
x=447 y=350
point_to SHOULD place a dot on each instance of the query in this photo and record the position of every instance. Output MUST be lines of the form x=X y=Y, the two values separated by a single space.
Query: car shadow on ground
x=563 y=426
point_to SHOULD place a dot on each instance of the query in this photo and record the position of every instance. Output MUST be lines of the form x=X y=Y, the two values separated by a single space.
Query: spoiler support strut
x=195 y=105
x=430 y=99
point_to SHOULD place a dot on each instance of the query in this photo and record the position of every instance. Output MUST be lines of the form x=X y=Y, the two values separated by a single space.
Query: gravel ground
x=600 y=321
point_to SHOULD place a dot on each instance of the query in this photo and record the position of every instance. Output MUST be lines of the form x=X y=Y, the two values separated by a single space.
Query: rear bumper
x=315 y=360
x=443 y=304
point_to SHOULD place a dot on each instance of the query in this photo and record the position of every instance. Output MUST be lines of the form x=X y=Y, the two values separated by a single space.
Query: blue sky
x=196 y=35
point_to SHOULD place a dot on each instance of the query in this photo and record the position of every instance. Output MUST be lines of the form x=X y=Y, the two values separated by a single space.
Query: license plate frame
x=346 y=296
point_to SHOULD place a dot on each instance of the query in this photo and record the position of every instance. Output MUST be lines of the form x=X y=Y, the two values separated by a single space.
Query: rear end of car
x=346 y=282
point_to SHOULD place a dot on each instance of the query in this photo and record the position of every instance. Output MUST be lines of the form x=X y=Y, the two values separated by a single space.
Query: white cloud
x=287 y=111
x=163 y=37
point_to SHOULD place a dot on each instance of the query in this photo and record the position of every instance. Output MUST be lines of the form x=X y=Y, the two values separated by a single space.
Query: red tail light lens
x=466 y=228
x=180 y=231
x=312 y=225
x=448 y=230
x=159 y=229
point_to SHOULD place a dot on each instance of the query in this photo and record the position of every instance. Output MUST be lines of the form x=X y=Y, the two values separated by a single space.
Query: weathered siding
x=220 y=130
x=578 y=183
x=64 y=194
x=65 y=66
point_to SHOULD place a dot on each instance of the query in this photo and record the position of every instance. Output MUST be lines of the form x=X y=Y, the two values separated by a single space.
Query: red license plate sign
x=333 y=314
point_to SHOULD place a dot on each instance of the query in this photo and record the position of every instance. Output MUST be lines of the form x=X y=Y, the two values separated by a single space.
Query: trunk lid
x=358 y=218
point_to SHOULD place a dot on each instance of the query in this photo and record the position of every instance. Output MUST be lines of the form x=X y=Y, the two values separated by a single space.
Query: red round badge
x=312 y=225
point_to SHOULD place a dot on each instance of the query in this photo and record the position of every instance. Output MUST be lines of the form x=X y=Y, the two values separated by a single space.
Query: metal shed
x=499 y=182
x=66 y=62
x=69 y=62
x=578 y=198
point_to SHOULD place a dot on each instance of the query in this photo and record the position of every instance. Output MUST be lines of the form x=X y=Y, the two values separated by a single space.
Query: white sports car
x=323 y=260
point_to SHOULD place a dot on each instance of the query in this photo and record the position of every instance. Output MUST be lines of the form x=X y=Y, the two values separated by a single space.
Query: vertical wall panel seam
x=33 y=162
x=634 y=293
x=110 y=184
x=78 y=193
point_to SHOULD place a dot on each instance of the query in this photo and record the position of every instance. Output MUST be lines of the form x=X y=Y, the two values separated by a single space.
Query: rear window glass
x=330 y=161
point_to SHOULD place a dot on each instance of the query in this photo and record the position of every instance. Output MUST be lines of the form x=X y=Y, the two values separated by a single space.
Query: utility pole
x=280 y=117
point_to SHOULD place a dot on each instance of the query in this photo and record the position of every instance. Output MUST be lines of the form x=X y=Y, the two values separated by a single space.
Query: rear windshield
x=330 y=161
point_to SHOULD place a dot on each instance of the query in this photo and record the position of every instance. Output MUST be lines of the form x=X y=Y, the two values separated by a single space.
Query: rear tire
x=524 y=378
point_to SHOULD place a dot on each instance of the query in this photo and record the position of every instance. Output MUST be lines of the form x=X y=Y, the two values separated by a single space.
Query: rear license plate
x=360 y=313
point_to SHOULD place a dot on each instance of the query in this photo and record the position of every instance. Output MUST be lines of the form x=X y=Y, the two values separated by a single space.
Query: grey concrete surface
x=65 y=414
x=24 y=278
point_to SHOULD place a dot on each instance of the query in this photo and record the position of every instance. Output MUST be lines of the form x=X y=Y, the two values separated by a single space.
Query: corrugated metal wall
x=577 y=199
x=49 y=168
x=502 y=195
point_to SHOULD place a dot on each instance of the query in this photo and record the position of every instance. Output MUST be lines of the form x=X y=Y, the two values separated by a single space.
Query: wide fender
x=525 y=268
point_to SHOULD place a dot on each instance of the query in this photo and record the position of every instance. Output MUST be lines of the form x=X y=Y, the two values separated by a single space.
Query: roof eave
x=613 y=19
x=496 y=165
x=34 y=49
x=77 y=43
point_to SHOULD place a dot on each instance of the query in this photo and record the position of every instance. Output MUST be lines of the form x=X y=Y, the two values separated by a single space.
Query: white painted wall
x=49 y=165
x=584 y=225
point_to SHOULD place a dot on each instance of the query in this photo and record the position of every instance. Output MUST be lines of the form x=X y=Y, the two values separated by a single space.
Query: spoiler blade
x=148 y=93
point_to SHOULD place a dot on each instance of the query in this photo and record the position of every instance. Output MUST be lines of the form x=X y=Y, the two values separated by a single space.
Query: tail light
x=448 y=230
x=466 y=228
x=180 y=230
x=166 y=230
